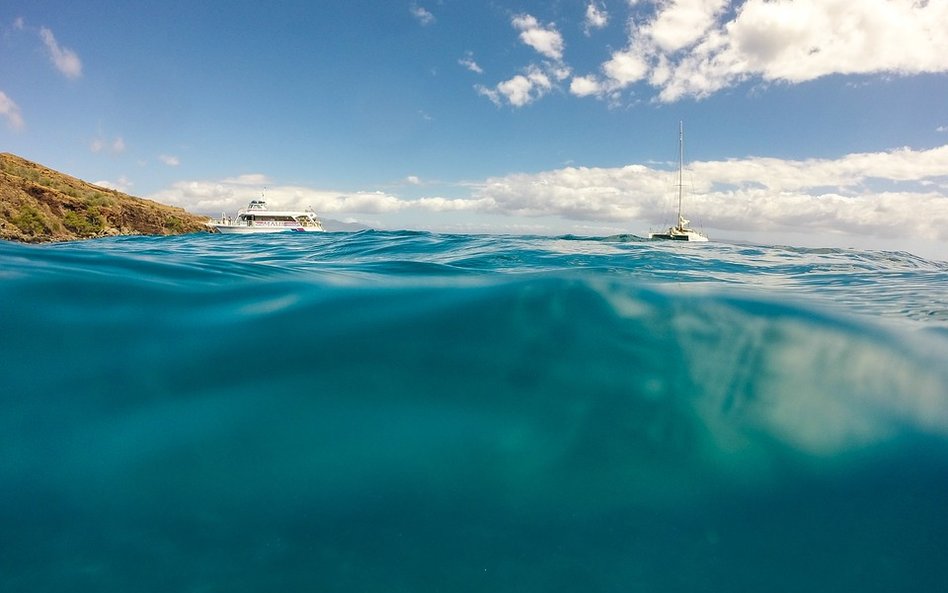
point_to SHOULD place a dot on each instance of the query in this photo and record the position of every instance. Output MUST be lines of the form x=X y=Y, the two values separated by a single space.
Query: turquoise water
x=419 y=412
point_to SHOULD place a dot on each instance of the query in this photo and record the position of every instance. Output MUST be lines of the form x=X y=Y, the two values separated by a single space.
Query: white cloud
x=596 y=17
x=851 y=173
x=546 y=40
x=582 y=86
x=468 y=62
x=520 y=90
x=65 y=60
x=423 y=16
x=170 y=160
x=941 y=129
x=490 y=93
x=810 y=38
x=625 y=68
x=682 y=23
x=18 y=23
x=694 y=48
x=99 y=144
x=123 y=184
x=559 y=71
x=10 y=111
x=413 y=180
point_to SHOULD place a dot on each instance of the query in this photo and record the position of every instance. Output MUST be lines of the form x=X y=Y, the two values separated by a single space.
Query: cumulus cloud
x=170 y=160
x=815 y=38
x=682 y=23
x=583 y=86
x=422 y=15
x=468 y=62
x=596 y=17
x=625 y=67
x=65 y=59
x=520 y=90
x=545 y=39
x=10 y=111
x=694 y=48
x=851 y=173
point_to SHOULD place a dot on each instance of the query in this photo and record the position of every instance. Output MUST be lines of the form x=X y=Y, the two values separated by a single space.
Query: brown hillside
x=38 y=205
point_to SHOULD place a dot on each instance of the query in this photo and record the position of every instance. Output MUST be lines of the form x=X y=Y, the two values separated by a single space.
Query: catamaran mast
x=681 y=158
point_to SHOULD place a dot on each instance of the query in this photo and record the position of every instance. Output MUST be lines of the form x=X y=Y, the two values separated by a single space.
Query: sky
x=816 y=123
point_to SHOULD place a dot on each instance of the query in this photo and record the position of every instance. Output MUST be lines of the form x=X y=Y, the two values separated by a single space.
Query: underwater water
x=412 y=412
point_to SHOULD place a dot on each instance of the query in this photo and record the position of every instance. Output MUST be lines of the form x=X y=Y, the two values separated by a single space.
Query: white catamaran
x=256 y=218
x=679 y=232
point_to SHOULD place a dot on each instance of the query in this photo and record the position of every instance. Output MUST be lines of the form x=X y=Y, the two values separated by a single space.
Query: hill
x=38 y=204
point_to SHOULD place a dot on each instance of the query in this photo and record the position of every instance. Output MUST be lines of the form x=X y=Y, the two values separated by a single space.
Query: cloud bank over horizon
x=872 y=194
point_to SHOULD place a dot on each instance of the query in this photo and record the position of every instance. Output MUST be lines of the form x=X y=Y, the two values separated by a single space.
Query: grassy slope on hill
x=38 y=204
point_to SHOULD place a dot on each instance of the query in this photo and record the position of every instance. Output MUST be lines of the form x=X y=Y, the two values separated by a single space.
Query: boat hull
x=243 y=229
x=678 y=236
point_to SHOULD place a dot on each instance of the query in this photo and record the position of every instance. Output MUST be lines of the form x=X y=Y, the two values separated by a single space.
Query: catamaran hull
x=246 y=230
x=677 y=236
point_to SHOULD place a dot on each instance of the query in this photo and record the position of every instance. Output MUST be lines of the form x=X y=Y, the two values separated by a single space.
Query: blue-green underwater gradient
x=412 y=412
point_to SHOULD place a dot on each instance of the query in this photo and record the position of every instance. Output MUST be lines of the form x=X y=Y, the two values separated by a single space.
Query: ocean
x=415 y=412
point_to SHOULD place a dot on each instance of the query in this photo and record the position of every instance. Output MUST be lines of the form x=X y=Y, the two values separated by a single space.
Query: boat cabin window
x=270 y=217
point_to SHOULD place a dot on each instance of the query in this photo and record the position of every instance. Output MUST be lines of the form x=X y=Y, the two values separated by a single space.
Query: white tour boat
x=679 y=232
x=257 y=218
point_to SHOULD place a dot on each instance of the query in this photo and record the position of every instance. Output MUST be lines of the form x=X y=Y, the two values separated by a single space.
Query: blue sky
x=810 y=122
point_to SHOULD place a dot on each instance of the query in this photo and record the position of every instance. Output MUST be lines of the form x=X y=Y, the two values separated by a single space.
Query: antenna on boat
x=681 y=158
